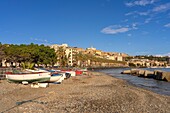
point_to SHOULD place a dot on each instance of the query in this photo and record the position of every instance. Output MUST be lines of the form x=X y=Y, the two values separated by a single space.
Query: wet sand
x=94 y=93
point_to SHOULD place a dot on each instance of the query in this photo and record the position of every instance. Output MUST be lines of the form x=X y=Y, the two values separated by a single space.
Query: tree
x=30 y=54
x=12 y=53
x=2 y=53
x=80 y=58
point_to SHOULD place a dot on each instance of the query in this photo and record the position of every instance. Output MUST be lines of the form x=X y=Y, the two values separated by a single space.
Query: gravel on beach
x=93 y=93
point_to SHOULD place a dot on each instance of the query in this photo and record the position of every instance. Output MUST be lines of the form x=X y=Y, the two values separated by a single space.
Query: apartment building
x=56 y=46
x=71 y=52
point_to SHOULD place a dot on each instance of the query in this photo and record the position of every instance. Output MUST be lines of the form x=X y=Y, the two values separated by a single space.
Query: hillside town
x=91 y=57
x=71 y=53
x=155 y=62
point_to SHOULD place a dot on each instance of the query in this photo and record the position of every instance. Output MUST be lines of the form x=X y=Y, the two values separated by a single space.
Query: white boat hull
x=31 y=77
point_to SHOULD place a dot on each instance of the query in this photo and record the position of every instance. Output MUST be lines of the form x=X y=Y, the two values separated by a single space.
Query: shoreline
x=98 y=68
x=96 y=92
x=134 y=85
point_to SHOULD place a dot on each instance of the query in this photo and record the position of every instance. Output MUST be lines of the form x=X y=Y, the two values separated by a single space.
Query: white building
x=56 y=46
x=91 y=48
x=69 y=54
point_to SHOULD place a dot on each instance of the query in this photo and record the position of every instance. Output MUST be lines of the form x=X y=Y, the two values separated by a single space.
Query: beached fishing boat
x=72 y=73
x=28 y=77
x=36 y=70
x=56 y=77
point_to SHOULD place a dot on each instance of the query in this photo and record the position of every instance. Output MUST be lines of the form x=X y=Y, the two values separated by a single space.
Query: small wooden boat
x=28 y=77
x=36 y=70
x=72 y=73
x=56 y=77
x=79 y=72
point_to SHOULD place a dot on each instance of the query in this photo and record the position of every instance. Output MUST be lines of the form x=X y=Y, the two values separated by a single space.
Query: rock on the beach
x=157 y=74
x=141 y=72
x=166 y=76
x=126 y=72
x=135 y=72
x=160 y=75
x=148 y=74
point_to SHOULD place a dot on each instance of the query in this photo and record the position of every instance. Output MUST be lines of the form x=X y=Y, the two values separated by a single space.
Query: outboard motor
x=67 y=75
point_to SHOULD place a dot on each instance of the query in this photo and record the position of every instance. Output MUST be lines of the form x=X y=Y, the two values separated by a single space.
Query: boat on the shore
x=68 y=72
x=57 y=77
x=28 y=77
x=36 y=70
x=41 y=75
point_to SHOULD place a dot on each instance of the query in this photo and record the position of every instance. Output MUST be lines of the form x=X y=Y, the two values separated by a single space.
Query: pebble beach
x=92 y=93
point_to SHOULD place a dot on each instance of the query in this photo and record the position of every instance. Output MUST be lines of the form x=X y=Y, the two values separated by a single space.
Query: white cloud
x=143 y=13
x=134 y=25
x=115 y=29
x=126 y=20
x=140 y=3
x=162 y=8
x=151 y=14
x=39 y=40
x=138 y=13
x=112 y=30
x=157 y=9
x=129 y=35
x=147 y=20
x=160 y=55
x=130 y=13
x=167 y=25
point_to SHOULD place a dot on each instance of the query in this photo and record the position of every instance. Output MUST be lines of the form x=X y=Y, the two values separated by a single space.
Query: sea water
x=160 y=87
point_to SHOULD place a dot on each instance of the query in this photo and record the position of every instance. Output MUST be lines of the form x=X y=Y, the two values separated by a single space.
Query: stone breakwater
x=157 y=74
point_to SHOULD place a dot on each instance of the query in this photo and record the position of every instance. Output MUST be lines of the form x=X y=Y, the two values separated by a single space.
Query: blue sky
x=135 y=27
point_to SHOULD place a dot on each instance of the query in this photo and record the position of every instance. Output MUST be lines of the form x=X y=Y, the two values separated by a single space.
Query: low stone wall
x=157 y=74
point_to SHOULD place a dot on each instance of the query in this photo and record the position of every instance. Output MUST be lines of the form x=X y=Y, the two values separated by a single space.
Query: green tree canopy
x=2 y=53
x=32 y=53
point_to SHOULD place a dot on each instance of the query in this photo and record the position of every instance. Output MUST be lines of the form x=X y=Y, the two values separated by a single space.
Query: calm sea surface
x=160 y=87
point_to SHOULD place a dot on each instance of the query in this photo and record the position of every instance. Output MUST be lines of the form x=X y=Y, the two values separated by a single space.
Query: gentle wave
x=160 y=87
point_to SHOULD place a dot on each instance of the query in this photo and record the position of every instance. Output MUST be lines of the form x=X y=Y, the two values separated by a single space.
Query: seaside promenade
x=93 y=93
